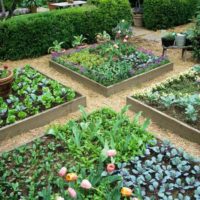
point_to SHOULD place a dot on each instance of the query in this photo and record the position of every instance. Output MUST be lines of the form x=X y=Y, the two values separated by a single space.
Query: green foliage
x=78 y=40
x=162 y=14
x=179 y=96
x=111 y=62
x=31 y=35
x=32 y=93
x=84 y=58
x=196 y=36
x=29 y=170
x=163 y=172
x=56 y=46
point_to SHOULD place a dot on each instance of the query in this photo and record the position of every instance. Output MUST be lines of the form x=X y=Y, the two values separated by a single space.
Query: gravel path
x=117 y=101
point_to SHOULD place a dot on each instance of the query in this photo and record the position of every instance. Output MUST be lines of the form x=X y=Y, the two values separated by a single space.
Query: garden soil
x=96 y=101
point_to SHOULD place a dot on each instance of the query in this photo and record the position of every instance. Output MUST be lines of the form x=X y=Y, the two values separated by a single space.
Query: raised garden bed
x=35 y=101
x=31 y=171
x=173 y=105
x=111 y=67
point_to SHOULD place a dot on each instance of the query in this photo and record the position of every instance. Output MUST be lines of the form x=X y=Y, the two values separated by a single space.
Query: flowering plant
x=123 y=30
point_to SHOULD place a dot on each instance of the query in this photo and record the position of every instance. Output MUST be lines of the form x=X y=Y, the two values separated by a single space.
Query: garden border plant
x=62 y=25
x=120 y=83
x=165 y=120
x=42 y=118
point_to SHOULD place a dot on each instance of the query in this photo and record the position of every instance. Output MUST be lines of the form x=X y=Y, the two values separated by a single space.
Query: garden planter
x=167 y=42
x=5 y=85
x=165 y=121
x=180 y=40
x=55 y=53
x=81 y=46
x=138 y=20
x=117 y=87
x=33 y=9
x=51 y=6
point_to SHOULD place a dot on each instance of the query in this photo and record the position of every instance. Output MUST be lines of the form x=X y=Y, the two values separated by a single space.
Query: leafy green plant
x=32 y=93
x=77 y=145
x=111 y=62
x=163 y=172
x=78 y=40
x=60 y=24
x=56 y=47
x=4 y=72
x=103 y=37
x=174 y=97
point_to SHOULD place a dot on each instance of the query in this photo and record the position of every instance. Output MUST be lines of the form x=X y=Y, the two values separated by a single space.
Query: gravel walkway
x=117 y=101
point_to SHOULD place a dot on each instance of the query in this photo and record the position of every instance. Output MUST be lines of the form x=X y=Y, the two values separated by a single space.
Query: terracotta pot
x=51 y=7
x=138 y=20
x=81 y=46
x=6 y=85
x=33 y=9
x=57 y=54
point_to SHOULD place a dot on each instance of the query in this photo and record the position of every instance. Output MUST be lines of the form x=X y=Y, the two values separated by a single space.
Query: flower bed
x=178 y=98
x=69 y=162
x=111 y=64
x=32 y=93
x=163 y=172
x=77 y=146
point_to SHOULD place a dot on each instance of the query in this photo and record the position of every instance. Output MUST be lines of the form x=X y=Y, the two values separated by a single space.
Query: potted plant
x=189 y=37
x=103 y=37
x=78 y=42
x=6 y=78
x=168 y=39
x=138 y=14
x=56 y=49
x=32 y=5
x=70 y=1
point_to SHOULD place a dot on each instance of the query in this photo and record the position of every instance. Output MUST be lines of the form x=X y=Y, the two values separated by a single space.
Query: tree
x=2 y=9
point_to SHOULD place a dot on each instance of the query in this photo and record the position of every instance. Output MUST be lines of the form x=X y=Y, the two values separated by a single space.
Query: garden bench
x=184 y=49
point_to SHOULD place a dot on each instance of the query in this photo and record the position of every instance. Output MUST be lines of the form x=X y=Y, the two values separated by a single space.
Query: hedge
x=196 y=33
x=31 y=35
x=162 y=14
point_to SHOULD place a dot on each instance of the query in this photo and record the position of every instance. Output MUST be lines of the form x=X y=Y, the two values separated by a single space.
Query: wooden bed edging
x=42 y=118
x=165 y=121
x=110 y=90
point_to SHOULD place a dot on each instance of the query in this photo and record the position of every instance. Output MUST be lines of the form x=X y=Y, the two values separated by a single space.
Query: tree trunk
x=3 y=8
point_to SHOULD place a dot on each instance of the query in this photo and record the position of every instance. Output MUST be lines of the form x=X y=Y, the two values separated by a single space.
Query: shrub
x=31 y=35
x=160 y=14
x=196 y=33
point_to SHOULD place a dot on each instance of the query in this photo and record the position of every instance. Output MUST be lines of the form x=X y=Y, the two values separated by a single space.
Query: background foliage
x=159 y=14
x=196 y=42
x=31 y=35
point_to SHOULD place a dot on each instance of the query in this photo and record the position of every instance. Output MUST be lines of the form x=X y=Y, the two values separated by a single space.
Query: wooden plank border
x=110 y=90
x=165 y=121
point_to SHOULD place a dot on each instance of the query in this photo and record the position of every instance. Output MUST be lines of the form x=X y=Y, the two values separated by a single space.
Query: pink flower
x=110 y=167
x=59 y=198
x=126 y=37
x=111 y=153
x=125 y=40
x=62 y=171
x=85 y=184
x=115 y=46
x=72 y=193
x=119 y=32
